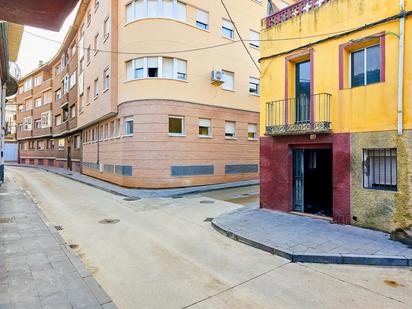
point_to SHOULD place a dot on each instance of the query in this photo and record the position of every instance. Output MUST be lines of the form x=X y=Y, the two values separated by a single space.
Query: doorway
x=69 y=159
x=312 y=181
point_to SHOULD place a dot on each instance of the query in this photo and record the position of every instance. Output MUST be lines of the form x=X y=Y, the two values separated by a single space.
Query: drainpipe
x=401 y=61
x=98 y=144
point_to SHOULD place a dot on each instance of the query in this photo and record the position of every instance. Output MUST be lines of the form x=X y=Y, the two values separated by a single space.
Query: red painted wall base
x=276 y=171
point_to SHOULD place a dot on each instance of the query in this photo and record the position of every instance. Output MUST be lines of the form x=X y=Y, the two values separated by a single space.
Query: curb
x=163 y=193
x=347 y=259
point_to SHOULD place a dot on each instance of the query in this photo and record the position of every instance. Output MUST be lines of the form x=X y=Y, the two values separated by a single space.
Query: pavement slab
x=37 y=268
x=311 y=240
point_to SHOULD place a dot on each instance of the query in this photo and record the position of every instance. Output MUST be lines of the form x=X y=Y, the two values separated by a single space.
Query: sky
x=34 y=49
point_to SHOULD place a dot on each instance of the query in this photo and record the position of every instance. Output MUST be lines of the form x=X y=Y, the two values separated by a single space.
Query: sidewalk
x=303 y=239
x=37 y=267
x=137 y=193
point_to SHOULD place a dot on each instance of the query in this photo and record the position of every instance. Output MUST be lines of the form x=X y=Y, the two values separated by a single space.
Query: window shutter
x=168 y=69
x=181 y=11
x=203 y=17
x=227 y=24
x=252 y=128
x=230 y=127
x=204 y=123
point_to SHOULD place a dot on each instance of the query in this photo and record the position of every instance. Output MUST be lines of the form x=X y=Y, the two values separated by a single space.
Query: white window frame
x=227 y=122
x=254 y=42
x=225 y=83
x=178 y=13
x=182 y=118
x=131 y=67
x=36 y=100
x=46 y=119
x=254 y=131
x=106 y=79
x=254 y=81
x=228 y=25
x=209 y=135
x=106 y=28
x=125 y=121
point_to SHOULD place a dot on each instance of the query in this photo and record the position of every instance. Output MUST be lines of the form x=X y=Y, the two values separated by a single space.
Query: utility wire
x=189 y=50
x=240 y=36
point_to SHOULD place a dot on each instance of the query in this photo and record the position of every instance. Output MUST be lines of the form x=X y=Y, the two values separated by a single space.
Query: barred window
x=380 y=169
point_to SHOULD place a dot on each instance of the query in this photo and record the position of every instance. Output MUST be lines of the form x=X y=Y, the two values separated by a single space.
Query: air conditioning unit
x=217 y=77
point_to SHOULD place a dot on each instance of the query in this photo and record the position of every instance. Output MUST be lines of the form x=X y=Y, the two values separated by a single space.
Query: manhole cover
x=131 y=199
x=7 y=220
x=109 y=221
x=208 y=220
x=207 y=202
x=58 y=227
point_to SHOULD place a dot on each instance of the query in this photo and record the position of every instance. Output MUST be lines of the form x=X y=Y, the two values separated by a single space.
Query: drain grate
x=7 y=220
x=208 y=220
x=176 y=197
x=207 y=202
x=58 y=227
x=131 y=199
x=109 y=221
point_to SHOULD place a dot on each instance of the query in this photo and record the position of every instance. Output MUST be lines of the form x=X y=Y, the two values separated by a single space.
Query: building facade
x=336 y=112
x=163 y=93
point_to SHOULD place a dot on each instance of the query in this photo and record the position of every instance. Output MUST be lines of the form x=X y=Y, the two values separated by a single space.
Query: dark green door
x=298 y=180
x=303 y=84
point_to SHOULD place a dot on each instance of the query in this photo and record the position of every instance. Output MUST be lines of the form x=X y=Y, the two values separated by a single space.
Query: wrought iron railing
x=293 y=10
x=305 y=114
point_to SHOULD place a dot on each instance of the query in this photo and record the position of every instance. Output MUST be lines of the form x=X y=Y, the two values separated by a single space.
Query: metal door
x=298 y=180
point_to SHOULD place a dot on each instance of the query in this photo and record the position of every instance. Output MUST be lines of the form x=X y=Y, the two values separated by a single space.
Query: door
x=302 y=90
x=69 y=159
x=298 y=180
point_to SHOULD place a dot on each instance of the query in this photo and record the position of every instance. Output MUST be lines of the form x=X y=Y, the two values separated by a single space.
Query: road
x=162 y=254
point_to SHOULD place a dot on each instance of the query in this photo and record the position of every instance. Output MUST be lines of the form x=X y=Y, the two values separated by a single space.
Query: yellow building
x=336 y=111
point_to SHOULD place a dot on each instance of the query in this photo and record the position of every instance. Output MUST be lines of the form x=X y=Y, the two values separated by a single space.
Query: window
x=155 y=67
x=96 y=5
x=61 y=144
x=41 y=145
x=27 y=123
x=58 y=120
x=73 y=111
x=365 y=66
x=111 y=129
x=106 y=131
x=96 y=43
x=47 y=97
x=152 y=67
x=202 y=19
x=29 y=104
x=66 y=84
x=65 y=113
x=58 y=94
x=89 y=17
x=37 y=124
x=72 y=80
x=254 y=86
x=128 y=126
x=88 y=95
x=46 y=119
x=106 y=28
x=380 y=169
x=228 y=29
x=106 y=79
x=38 y=80
x=116 y=132
x=96 y=88
x=252 y=131
x=88 y=55
x=205 y=127
x=22 y=108
x=254 y=39
x=230 y=129
x=140 y=9
x=176 y=125
x=228 y=80
x=37 y=102
x=77 y=142
x=27 y=84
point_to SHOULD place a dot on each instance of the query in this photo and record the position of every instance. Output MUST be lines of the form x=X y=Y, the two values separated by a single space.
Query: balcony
x=61 y=129
x=24 y=134
x=293 y=10
x=62 y=101
x=42 y=132
x=296 y=116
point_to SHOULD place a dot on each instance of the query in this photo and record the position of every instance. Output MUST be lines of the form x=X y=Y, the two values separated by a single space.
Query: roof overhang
x=47 y=14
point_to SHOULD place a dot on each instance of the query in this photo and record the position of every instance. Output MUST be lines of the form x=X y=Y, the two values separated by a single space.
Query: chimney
x=40 y=63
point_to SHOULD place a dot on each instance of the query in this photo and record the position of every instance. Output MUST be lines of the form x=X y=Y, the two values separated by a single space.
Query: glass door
x=298 y=180
x=302 y=90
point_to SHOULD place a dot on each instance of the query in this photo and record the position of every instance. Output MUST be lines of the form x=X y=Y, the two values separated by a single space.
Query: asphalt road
x=162 y=254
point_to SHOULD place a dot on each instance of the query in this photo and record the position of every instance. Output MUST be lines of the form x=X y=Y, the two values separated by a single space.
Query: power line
x=240 y=37
x=193 y=49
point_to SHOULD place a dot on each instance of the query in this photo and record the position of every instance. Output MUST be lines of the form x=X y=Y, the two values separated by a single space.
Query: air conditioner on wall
x=217 y=77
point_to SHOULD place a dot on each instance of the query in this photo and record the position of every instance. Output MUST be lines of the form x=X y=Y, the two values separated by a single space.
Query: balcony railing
x=293 y=10
x=303 y=115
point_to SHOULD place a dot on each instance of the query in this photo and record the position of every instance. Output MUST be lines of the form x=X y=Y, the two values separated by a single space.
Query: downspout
x=401 y=67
